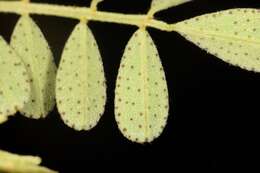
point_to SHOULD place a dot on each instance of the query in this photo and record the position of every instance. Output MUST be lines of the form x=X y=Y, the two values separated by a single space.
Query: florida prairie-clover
x=141 y=93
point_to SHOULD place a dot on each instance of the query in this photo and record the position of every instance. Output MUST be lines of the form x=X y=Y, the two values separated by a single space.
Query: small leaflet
x=231 y=35
x=159 y=5
x=14 y=82
x=81 y=86
x=18 y=158
x=10 y=162
x=30 y=44
x=3 y=119
x=141 y=94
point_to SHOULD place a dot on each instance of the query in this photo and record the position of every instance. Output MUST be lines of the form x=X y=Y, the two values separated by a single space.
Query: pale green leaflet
x=30 y=44
x=18 y=158
x=14 y=82
x=159 y=5
x=3 y=118
x=232 y=35
x=14 y=163
x=141 y=95
x=81 y=86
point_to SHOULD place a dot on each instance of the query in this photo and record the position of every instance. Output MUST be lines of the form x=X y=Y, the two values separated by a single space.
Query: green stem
x=83 y=13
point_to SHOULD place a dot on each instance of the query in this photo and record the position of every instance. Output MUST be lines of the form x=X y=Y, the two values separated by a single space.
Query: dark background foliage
x=214 y=107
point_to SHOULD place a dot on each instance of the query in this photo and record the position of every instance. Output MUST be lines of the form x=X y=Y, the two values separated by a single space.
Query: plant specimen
x=141 y=93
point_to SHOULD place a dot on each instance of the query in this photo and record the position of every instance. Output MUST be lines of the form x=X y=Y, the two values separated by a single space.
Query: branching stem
x=19 y=7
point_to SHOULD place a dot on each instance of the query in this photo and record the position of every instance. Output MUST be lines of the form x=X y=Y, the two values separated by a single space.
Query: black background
x=214 y=107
